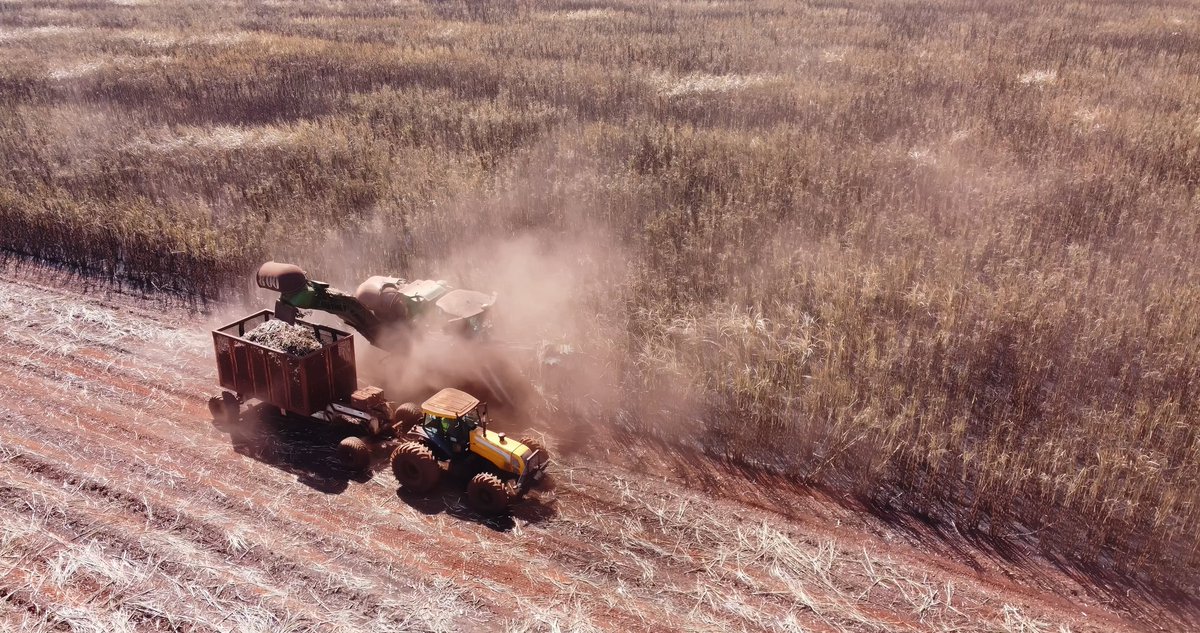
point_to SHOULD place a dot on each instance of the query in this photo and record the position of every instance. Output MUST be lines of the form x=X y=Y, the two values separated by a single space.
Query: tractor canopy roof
x=450 y=403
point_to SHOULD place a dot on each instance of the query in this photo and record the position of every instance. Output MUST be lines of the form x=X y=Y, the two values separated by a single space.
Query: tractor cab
x=450 y=416
x=456 y=423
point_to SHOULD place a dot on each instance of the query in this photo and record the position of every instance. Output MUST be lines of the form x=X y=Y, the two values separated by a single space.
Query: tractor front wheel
x=354 y=453
x=225 y=409
x=415 y=468
x=487 y=494
x=535 y=445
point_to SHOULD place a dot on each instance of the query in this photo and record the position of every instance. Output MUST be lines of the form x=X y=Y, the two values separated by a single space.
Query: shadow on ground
x=450 y=498
x=294 y=445
x=308 y=450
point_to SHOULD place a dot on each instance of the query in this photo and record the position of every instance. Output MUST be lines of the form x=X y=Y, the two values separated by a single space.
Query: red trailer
x=321 y=386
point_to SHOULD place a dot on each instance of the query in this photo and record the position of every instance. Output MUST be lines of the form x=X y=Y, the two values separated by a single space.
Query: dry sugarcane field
x=605 y=315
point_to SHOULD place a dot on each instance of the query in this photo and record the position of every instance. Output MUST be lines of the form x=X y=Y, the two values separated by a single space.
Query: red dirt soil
x=126 y=508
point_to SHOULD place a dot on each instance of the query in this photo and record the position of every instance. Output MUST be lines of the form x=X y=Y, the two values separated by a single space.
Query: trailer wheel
x=216 y=408
x=487 y=494
x=415 y=468
x=225 y=409
x=406 y=416
x=546 y=482
x=354 y=453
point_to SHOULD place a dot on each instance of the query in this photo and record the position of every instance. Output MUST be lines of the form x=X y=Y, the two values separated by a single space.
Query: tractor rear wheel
x=406 y=416
x=546 y=482
x=487 y=494
x=415 y=468
x=354 y=453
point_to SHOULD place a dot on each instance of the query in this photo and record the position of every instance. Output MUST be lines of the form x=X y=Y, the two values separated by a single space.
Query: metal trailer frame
x=302 y=385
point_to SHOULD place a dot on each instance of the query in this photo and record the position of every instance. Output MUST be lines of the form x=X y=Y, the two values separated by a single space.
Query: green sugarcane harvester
x=450 y=428
x=378 y=302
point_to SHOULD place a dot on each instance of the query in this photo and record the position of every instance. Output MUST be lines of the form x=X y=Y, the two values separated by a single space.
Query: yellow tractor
x=452 y=432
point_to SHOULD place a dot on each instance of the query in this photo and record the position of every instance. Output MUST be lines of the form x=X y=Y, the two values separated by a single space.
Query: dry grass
x=83 y=562
x=939 y=254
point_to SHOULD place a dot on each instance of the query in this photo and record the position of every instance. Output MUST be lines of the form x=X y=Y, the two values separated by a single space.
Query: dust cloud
x=553 y=350
x=559 y=350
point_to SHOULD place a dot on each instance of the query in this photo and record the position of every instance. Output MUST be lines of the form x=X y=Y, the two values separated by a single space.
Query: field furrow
x=126 y=508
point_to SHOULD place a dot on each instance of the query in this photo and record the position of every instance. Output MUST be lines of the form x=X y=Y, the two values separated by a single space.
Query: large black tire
x=535 y=445
x=225 y=409
x=415 y=468
x=547 y=481
x=407 y=415
x=487 y=494
x=216 y=408
x=354 y=453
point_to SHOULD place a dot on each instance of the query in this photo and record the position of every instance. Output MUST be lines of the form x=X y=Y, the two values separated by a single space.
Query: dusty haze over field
x=942 y=257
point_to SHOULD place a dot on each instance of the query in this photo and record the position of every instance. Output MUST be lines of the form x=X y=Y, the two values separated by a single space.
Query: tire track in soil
x=597 y=554
x=610 y=612
x=494 y=573
x=116 y=534
x=112 y=516
x=164 y=512
x=130 y=429
x=211 y=542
